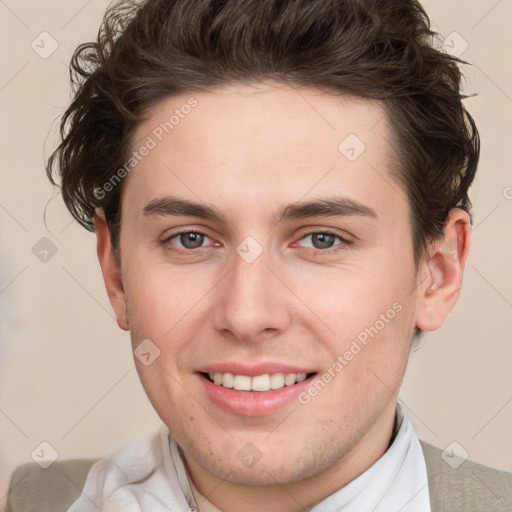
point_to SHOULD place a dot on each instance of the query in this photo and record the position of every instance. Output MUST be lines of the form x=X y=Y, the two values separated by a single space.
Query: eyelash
x=345 y=244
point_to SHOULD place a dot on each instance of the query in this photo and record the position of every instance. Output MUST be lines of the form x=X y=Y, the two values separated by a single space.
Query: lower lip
x=253 y=403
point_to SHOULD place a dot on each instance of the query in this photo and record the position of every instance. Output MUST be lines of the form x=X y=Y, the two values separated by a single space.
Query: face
x=265 y=245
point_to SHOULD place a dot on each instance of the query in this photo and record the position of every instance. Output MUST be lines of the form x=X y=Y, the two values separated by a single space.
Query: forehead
x=245 y=145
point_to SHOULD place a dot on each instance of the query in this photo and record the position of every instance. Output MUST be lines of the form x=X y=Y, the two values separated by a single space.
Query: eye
x=185 y=241
x=323 y=241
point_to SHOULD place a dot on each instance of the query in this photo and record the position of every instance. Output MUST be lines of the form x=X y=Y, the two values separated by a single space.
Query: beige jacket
x=469 y=488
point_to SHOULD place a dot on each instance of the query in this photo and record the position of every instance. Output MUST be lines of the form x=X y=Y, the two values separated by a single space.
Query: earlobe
x=440 y=279
x=110 y=270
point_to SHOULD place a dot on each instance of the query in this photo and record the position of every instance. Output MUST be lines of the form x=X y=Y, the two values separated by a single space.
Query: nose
x=254 y=301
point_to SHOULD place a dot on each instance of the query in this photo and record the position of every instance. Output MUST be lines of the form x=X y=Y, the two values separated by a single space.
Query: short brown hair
x=378 y=49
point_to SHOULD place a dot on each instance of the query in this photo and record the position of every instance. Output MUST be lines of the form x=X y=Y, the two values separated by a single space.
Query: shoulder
x=53 y=489
x=454 y=486
x=457 y=484
x=56 y=488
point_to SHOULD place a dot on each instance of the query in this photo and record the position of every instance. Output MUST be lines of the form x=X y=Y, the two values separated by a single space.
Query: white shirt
x=148 y=475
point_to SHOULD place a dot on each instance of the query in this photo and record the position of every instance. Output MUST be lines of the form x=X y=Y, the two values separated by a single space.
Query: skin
x=249 y=150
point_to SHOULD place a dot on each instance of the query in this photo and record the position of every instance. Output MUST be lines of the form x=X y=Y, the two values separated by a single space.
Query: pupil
x=192 y=240
x=324 y=239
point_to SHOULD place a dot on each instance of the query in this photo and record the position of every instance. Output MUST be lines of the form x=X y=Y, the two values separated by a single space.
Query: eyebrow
x=328 y=207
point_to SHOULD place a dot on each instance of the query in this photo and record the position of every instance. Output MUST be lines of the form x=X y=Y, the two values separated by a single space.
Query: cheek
x=159 y=299
x=349 y=299
x=370 y=320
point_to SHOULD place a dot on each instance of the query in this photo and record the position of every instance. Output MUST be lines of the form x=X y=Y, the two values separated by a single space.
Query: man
x=279 y=191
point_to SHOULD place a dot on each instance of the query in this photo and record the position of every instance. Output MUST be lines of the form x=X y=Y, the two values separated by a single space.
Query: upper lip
x=253 y=370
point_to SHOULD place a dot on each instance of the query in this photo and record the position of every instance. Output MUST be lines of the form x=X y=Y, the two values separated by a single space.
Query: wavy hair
x=377 y=49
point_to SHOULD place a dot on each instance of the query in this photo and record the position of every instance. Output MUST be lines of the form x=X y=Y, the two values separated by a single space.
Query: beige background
x=66 y=370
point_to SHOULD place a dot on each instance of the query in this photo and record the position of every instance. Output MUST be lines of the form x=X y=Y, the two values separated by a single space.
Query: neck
x=297 y=496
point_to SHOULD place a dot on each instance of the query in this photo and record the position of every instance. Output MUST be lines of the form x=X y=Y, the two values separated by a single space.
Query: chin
x=261 y=474
x=282 y=462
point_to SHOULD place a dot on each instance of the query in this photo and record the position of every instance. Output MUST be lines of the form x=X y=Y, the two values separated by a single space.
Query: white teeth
x=242 y=383
x=264 y=382
x=289 y=379
x=277 y=381
x=261 y=383
x=228 y=380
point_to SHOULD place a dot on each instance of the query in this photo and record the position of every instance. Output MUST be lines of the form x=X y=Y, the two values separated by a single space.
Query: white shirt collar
x=148 y=474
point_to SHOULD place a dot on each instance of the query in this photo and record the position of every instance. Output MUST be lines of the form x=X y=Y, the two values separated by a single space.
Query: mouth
x=258 y=383
x=256 y=394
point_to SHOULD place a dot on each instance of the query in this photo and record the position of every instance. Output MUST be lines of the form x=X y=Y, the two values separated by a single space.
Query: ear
x=440 y=277
x=110 y=269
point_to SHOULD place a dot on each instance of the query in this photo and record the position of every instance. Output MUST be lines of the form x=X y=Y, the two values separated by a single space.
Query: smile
x=262 y=383
x=249 y=391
